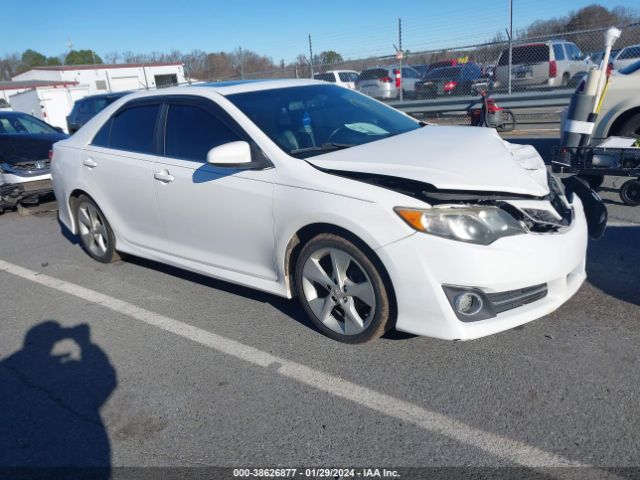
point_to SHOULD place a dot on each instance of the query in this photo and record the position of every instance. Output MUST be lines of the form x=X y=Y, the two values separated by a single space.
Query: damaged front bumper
x=11 y=194
x=520 y=278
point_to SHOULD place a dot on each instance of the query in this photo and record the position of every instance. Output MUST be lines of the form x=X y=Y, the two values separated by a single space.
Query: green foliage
x=82 y=57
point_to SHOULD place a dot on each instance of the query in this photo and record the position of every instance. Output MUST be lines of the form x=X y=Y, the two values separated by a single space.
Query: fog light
x=467 y=303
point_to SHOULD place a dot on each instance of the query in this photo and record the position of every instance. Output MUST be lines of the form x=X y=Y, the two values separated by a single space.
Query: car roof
x=105 y=95
x=242 y=86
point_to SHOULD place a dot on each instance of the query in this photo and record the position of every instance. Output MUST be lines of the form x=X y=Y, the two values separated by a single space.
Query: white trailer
x=51 y=104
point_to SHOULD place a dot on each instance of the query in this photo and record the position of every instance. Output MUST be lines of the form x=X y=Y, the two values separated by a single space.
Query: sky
x=277 y=28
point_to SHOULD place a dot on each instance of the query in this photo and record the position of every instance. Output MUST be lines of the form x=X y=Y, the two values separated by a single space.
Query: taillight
x=553 y=69
x=398 y=78
x=385 y=80
x=50 y=155
x=449 y=86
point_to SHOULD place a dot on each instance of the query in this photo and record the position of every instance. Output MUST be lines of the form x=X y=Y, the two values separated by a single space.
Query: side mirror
x=233 y=154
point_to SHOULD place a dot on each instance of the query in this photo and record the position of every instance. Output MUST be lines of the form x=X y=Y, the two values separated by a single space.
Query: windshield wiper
x=325 y=147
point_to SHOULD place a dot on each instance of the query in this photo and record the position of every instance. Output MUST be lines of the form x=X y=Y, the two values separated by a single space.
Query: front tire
x=342 y=290
x=96 y=236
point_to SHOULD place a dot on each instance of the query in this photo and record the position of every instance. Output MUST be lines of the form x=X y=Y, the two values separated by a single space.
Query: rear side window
x=192 y=131
x=87 y=106
x=527 y=54
x=373 y=74
x=347 y=76
x=133 y=129
x=326 y=77
x=558 y=51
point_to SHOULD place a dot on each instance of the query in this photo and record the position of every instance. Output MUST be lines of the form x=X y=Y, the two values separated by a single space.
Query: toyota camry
x=299 y=188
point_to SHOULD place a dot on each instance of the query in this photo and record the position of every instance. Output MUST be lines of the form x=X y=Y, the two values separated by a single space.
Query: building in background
x=49 y=93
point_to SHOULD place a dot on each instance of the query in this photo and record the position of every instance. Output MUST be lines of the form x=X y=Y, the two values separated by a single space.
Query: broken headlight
x=482 y=225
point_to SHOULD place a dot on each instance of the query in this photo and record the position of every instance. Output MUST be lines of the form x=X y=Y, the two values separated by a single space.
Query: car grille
x=503 y=301
x=32 y=166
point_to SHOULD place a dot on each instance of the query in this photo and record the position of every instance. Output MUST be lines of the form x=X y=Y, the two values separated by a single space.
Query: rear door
x=215 y=216
x=118 y=170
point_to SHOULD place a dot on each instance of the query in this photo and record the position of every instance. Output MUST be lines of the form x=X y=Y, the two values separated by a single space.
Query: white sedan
x=301 y=188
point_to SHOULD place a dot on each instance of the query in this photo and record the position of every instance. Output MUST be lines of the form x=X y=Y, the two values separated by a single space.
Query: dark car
x=457 y=80
x=86 y=108
x=25 y=143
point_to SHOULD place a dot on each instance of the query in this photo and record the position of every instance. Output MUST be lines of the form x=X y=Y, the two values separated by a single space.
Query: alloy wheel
x=93 y=231
x=338 y=291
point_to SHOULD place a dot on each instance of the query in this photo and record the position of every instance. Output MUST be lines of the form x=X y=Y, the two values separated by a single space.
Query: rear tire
x=96 y=235
x=565 y=80
x=630 y=193
x=342 y=290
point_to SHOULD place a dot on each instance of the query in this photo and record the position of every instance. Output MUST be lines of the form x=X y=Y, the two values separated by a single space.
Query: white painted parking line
x=496 y=445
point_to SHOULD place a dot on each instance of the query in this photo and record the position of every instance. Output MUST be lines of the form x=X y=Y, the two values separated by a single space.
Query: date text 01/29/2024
x=314 y=473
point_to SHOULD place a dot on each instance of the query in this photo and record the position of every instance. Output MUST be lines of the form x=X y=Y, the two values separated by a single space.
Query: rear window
x=325 y=77
x=525 y=54
x=373 y=74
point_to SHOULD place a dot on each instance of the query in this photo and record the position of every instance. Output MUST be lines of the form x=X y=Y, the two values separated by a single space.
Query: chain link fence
x=536 y=62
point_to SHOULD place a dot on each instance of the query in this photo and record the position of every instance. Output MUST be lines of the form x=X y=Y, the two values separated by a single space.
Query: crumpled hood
x=449 y=158
x=15 y=148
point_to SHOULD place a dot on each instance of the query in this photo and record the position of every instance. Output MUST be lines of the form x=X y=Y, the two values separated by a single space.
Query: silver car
x=385 y=82
x=550 y=64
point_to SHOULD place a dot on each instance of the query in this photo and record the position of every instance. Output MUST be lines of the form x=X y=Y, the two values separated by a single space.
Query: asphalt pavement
x=173 y=369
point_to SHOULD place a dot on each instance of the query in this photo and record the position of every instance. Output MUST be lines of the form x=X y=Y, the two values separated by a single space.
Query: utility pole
x=310 y=58
x=400 y=56
x=510 y=42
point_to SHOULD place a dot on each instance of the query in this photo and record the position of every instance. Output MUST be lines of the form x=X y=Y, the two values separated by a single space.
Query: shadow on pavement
x=51 y=392
x=613 y=263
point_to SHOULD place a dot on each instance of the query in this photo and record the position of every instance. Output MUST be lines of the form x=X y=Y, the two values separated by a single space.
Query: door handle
x=89 y=162
x=163 y=176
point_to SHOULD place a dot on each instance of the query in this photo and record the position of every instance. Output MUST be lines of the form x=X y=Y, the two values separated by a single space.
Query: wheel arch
x=306 y=233
x=621 y=119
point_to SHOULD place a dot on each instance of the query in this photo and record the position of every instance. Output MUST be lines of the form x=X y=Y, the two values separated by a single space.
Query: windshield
x=444 y=72
x=311 y=120
x=23 y=123
x=629 y=69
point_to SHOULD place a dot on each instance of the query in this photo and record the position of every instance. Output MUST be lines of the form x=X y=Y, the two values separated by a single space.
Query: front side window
x=192 y=131
x=133 y=129
x=312 y=120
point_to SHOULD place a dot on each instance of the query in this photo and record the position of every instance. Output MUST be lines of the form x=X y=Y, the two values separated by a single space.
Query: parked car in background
x=626 y=56
x=385 y=82
x=596 y=57
x=86 y=108
x=25 y=143
x=422 y=69
x=441 y=81
x=620 y=110
x=304 y=189
x=549 y=64
x=344 y=78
